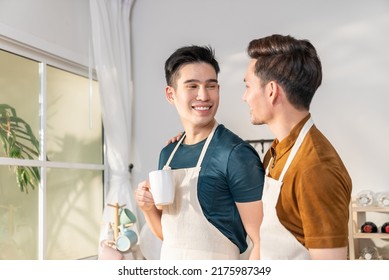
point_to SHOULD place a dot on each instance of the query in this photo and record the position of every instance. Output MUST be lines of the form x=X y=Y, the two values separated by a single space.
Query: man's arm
x=326 y=206
x=251 y=214
x=329 y=254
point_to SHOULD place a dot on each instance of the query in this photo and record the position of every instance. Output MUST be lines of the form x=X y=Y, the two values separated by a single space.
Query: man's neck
x=284 y=123
x=197 y=134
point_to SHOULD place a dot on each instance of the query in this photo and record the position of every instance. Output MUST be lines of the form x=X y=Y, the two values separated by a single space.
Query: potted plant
x=18 y=141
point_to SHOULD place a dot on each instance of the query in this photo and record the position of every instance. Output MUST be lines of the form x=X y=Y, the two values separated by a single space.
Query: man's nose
x=202 y=94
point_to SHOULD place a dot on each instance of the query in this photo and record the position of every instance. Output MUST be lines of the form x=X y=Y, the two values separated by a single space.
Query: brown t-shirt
x=314 y=199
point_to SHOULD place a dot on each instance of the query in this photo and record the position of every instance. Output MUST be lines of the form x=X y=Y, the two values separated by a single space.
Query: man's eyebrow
x=198 y=81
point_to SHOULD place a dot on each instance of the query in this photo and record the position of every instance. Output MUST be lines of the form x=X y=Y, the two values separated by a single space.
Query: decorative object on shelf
x=368 y=198
x=370 y=253
x=360 y=232
x=126 y=240
x=385 y=228
x=383 y=199
x=126 y=217
x=120 y=237
x=369 y=227
x=365 y=198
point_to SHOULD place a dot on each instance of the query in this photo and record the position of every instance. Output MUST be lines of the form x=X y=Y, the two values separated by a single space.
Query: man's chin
x=256 y=122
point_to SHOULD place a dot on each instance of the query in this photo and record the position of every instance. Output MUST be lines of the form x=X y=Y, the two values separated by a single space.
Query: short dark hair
x=186 y=55
x=292 y=63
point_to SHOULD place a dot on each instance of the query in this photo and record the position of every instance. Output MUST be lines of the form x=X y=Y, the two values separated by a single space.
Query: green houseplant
x=18 y=141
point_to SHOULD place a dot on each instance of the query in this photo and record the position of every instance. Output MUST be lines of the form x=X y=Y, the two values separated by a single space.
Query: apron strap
x=167 y=165
x=268 y=166
x=296 y=146
x=203 y=151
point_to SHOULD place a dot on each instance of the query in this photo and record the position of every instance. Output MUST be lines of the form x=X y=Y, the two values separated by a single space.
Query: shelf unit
x=357 y=218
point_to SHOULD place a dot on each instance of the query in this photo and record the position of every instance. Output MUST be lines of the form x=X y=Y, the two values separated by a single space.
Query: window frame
x=45 y=59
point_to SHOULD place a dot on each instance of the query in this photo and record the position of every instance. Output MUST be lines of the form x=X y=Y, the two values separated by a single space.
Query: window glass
x=18 y=219
x=74 y=132
x=70 y=177
x=74 y=208
x=19 y=100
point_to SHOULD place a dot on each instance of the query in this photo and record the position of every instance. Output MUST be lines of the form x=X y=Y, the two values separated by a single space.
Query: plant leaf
x=19 y=141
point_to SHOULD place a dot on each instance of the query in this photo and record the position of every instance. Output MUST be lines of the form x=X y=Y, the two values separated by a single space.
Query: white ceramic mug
x=162 y=187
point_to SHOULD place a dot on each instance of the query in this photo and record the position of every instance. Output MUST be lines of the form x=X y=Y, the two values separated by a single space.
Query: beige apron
x=277 y=243
x=187 y=234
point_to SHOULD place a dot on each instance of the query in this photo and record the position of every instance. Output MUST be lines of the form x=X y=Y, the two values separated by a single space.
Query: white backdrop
x=351 y=38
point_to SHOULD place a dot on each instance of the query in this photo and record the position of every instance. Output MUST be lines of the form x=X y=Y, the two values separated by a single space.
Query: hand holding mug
x=143 y=196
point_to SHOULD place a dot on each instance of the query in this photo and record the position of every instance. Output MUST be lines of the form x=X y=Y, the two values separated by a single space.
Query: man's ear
x=169 y=94
x=273 y=90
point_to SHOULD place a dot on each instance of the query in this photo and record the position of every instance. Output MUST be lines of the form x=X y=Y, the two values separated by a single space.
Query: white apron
x=277 y=243
x=187 y=234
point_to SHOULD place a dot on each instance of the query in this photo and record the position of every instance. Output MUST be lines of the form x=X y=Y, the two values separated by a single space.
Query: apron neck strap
x=167 y=165
x=203 y=151
x=206 y=144
x=296 y=146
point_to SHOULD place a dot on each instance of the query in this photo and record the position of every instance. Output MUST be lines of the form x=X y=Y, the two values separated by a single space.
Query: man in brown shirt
x=307 y=187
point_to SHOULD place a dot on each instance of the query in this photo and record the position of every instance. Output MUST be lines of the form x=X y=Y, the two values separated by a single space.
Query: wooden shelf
x=371 y=235
x=358 y=215
x=370 y=209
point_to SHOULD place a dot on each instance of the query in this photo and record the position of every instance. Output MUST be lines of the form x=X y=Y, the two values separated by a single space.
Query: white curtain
x=110 y=20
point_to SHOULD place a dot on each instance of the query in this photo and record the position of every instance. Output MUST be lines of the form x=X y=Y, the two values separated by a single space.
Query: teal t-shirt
x=231 y=172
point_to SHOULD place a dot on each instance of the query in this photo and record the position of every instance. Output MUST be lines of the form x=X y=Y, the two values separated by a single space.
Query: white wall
x=59 y=27
x=351 y=38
